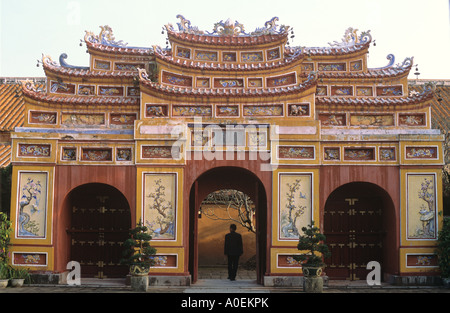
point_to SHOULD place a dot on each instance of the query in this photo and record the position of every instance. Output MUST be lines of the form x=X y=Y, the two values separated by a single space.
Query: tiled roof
x=377 y=103
x=5 y=155
x=371 y=73
x=159 y=53
x=11 y=107
x=135 y=51
x=440 y=104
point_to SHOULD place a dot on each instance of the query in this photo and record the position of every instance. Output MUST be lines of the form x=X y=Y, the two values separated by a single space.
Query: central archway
x=229 y=178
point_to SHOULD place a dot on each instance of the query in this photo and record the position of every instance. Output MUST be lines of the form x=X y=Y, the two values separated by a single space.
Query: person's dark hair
x=233 y=226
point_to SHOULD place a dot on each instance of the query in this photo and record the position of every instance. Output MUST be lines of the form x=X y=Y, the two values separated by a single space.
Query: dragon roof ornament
x=351 y=38
x=229 y=28
x=105 y=37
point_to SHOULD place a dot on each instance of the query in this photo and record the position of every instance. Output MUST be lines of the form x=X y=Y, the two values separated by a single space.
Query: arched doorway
x=99 y=224
x=357 y=223
x=228 y=178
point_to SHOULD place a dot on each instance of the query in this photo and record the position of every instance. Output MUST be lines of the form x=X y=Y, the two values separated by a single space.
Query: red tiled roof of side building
x=11 y=107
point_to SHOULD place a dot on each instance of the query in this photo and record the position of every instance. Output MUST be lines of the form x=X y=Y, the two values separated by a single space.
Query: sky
x=405 y=28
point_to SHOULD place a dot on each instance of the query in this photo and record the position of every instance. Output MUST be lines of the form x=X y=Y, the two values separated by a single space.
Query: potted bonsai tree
x=312 y=242
x=138 y=252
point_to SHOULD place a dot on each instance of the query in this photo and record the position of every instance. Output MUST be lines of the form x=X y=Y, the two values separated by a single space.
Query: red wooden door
x=353 y=228
x=100 y=224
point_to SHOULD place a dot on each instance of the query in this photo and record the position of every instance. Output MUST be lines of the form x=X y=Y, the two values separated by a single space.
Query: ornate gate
x=100 y=225
x=353 y=227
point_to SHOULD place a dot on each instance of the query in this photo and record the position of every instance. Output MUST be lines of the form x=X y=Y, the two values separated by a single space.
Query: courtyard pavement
x=214 y=280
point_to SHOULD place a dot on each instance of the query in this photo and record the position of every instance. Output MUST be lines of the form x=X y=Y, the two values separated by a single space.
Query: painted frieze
x=176 y=80
x=69 y=154
x=96 y=154
x=333 y=119
x=34 y=150
x=273 y=54
x=298 y=109
x=160 y=205
x=203 y=83
x=61 y=87
x=122 y=119
x=43 y=117
x=389 y=91
x=282 y=80
x=295 y=204
x=165 y=261
x=263 y=110
x=308 y=67
x=124 y=154
x=421 y=206
x=356 y=66
x=82 y=119
x=127 y=66
x=86 y=90
x=29 y=258
x=133 y=92
x=331 y=154
x=102 y=65
x=190 y=110
x=387 y=154
x=160 y=152
x=255 y=82
x=372 y=120
x=229 y=57
x=227 y=110
x=252 y=57
x=32 y=208
x=362 y=91
x=417 y=260
x=206 y=55
x=341 y=90
x=228 y=82
x=412 y=119
x=332 y=67
x=156 y=110
x=359 y=154
x=321 y=91
x=296 y=152
x=287 y=261
x=110 y=91
x=183 y=53
x=421 y=152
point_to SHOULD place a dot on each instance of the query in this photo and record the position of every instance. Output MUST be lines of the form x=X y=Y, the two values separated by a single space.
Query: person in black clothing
x=233 y=249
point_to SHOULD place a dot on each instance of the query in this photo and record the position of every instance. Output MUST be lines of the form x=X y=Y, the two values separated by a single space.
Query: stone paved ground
x=213 y=280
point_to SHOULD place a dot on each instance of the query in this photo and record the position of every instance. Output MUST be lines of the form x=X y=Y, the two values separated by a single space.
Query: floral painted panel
x=364 y=91
x=124 y=154
x=422 y=260
x=295 y=204
x=133 y=91
x=288 y=261
x=331 y=154
x=43 y=117
x=321 y=91
x=156 y=110
x=102 y=65
x=160 y=204
x=421 y=206
x=34 y=150
x=229 y=57
x=128 y=66
x=32 y=209
x=202 y=83
x=341 y=90
x=255 y=82
x=356 y=66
